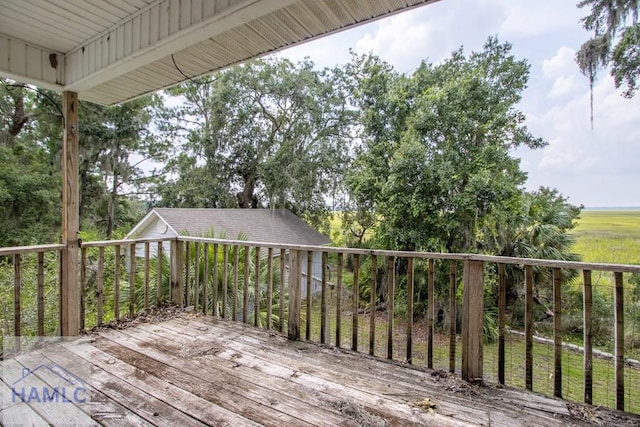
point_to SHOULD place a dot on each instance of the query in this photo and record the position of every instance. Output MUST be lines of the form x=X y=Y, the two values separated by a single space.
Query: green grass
x=608 y=236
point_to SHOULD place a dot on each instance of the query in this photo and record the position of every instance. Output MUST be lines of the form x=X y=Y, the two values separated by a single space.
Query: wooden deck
x=197 y=370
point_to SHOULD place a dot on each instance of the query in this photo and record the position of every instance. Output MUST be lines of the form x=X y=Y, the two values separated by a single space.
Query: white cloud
x=562 y=69
x=523 y=19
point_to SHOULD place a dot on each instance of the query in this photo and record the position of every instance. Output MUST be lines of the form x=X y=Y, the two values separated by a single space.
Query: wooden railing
x=368 y=305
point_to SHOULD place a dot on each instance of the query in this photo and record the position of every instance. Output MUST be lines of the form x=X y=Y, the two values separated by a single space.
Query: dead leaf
x=426 y=404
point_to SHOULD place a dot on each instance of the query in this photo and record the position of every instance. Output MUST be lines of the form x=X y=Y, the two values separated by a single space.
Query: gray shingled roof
x=260 y=225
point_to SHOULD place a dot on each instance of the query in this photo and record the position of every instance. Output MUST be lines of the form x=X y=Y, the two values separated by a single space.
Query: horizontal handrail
x=574 y=265
x=121 y=242
x=30 y=249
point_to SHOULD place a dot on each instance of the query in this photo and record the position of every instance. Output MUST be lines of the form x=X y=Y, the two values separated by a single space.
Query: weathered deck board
x=395 y=383
x=13 y=413
x=199 y=370
x=108 y=410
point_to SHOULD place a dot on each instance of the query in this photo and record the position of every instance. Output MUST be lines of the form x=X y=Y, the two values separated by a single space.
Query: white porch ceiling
x=110 y=51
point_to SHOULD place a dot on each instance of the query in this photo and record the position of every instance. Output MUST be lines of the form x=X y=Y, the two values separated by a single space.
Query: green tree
x=29 y=183
x=438 y=167
x=114 y=144
x=266 y=133
x=540 y=230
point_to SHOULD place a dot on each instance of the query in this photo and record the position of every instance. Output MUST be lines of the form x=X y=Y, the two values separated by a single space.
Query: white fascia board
x=163 y=28
x=26 y=63
x=142 y=224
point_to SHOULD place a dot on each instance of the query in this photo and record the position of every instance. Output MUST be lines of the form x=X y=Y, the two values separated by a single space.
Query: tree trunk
x=246 y=198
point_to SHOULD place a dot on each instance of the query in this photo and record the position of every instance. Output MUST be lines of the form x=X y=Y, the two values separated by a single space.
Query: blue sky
x=597 y=168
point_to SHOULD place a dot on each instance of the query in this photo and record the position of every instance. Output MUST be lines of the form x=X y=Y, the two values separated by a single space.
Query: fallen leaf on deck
x=425 y=403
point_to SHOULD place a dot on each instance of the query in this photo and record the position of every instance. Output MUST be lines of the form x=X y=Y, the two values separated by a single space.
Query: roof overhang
x=111 y=52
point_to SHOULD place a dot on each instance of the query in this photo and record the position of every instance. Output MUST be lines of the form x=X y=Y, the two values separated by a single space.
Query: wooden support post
x=295 y=294
x=70 y=291
x=177 y=265
x=472 y=321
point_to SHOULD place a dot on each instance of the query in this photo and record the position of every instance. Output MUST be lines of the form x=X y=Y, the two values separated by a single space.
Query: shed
x=257 y=225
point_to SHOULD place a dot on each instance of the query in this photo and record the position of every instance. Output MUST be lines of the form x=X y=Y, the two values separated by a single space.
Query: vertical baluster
x=502 y=314
x=430 y=312
x=619 y=340
x=269 y=288
x=196 y=278
x=159 y=274
x=355 y=302
x=391 y=279
x=147 y=267
x=132 y=279
x=187 y=273
x=587 y=307
x=40 y=294
x=245 y=288
x=100 y=287
x=205 y=280
x=225 y=279
x=17 y=305
x=307 y=331
x=323 y=300
x=282 y=288
x=295 y=294
x=116 y=284
x=557 y=332
x=83 y=286
x=528 y=325
x=372 y=303
x=409 y=310
x=453 y=315
x=216 y=312
x=339 y=300
x=256 y=292
x=236 y=264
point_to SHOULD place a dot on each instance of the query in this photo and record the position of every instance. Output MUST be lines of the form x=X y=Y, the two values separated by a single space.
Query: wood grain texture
x=199 y=370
